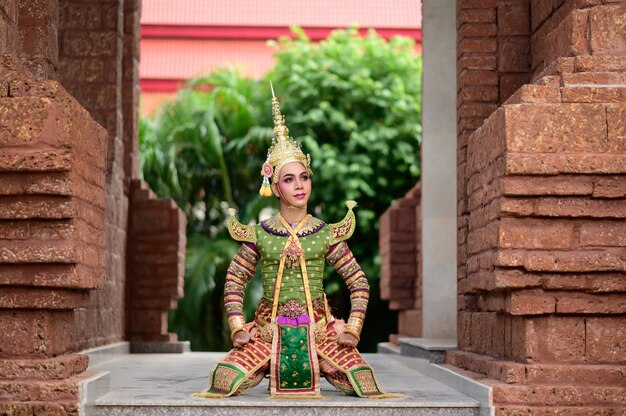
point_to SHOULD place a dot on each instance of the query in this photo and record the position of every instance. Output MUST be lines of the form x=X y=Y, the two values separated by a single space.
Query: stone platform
x=161 y=384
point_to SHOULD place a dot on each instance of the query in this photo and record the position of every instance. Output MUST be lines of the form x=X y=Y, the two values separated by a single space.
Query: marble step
x=161 y=384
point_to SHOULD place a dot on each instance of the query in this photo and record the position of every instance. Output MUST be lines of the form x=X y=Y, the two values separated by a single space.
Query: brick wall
x=91 y=40
x=542 y=296
x=64 y=185
x=155 y=264
x=130 y=88
x=401 y=265
x=51 y=238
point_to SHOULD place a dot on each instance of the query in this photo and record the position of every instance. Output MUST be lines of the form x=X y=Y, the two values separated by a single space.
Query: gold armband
x=234 y=332
x=352 y=332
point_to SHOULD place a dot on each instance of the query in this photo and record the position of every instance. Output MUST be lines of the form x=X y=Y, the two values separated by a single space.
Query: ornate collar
x=273 y=226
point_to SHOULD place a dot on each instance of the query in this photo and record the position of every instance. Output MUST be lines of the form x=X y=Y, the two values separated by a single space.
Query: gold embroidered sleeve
x=341 y=258
x=238 y=275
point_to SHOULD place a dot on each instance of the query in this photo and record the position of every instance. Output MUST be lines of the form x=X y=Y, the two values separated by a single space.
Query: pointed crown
x=284 y=149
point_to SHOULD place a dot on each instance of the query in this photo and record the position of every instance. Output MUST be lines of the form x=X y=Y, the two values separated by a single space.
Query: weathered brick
x=513 y=55
x=530 y=302
x=588 y=282
x=513 y=18
x=410 y=323
x=611 y=187
x=475 y=30
x=535 y=234
x=595 y=94
x=487 y=144
x=594 y=78
x=483 y=239
x=550 y=185
x=607 y=29
x=605 y=339
x=547 y=163
x=481 y=62
x=476 y=110
x=541 y=10
x=509 y=83
x=516 y=279
x=615 y=116
x=54 y=183
x=35 y=333
x=599 y=63
x=549 y=127
x=578 y=261
x=476 y=16
x=55 y=368
x=81 y=16
x=591 y=303
x=558 y=396
x=530 y=93
x=556 y=339
x=603 y=233
x=580 y=207
x=477 y=45
x=475 y=77
x=483 y=93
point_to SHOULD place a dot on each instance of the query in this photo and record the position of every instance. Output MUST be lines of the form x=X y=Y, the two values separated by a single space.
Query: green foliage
x=354 y=103
x=197 y=150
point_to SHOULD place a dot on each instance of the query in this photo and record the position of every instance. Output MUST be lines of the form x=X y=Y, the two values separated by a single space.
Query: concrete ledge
x=158 y=347
x=481 y=393
x=431 y=349
x=91 y=389
x=388 y=348
x=107 y=352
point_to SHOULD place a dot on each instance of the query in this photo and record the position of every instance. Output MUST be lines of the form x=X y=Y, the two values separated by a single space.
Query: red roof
x=184 y=58
x=268 y=13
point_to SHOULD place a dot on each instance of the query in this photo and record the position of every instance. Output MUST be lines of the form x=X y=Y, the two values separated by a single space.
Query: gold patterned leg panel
x=350 y=362
x=238 y=371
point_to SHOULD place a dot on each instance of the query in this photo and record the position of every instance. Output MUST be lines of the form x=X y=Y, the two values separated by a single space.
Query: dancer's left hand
x=347 y=340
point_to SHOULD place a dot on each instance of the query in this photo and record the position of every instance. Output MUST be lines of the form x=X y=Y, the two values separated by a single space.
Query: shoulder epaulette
x=343 y=229
x=238 y=231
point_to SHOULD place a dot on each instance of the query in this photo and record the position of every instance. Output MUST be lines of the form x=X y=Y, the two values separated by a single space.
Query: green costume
x=291 y=346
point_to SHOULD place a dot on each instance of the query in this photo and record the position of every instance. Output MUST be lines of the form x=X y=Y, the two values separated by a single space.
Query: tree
x=354 y=104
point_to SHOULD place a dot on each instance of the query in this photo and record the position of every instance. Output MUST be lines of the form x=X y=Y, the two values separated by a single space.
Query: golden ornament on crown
x=283 y=150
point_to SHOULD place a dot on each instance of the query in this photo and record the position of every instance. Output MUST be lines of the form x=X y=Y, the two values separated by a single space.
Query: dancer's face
x=294 y=185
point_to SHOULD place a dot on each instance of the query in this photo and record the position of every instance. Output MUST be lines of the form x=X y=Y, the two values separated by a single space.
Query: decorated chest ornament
x=283 y=150
x=292 y=252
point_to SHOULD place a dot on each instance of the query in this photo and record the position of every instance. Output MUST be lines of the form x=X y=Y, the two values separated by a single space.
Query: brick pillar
x=91 y=50
x=156 y=263
x=401 y=267
x=542 y=306
x=52 y=170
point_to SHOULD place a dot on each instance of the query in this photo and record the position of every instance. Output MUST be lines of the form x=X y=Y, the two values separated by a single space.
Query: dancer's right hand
x=241 y=338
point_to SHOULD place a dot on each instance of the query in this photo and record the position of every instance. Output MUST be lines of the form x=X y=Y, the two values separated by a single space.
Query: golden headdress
x=283 y=150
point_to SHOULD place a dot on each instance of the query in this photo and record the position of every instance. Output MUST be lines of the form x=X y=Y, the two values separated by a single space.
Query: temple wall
x=401 y=264
x=68 y=163
x=542 y=203
x=91 y=38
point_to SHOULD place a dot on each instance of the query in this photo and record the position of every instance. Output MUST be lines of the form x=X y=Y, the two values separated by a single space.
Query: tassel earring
x=266 y=172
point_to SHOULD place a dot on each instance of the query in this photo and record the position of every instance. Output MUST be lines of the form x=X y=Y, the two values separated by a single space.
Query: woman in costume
x=293 y=337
